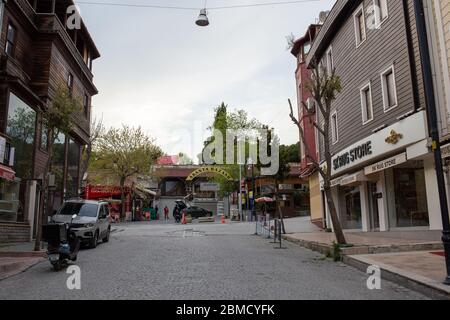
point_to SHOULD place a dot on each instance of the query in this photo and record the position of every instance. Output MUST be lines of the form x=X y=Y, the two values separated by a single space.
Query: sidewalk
x=413 y=259
x=422 y=271
x=17 y=258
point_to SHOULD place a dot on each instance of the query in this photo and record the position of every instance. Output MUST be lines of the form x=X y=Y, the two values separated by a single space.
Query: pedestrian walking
x=166 y=213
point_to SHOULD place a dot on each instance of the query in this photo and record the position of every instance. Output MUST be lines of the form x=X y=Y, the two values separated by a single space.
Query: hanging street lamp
x=202 y=20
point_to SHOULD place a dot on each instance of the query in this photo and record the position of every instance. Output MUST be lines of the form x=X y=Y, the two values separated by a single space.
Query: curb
x=426 y=286
x=411 y=281
x=23 y=254
x=15 y=268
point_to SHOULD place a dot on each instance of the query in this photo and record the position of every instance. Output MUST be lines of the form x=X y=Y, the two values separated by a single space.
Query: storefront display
x=350 y=207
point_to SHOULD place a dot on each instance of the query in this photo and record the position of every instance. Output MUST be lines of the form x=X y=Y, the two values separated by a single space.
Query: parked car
x=92 y=222
x=196 y=212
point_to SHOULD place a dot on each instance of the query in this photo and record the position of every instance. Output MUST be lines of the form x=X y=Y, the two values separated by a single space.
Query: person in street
x=176 y=215
x=166 y=213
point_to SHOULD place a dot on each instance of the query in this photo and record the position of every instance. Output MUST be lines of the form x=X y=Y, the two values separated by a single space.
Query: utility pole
x=434 y=129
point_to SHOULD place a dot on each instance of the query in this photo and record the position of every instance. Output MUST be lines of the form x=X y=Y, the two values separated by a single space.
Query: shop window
x=350 y=213
x=73 y=166
x=58 y=160
x=44 y=137
x=407 y=199
x=21 y=127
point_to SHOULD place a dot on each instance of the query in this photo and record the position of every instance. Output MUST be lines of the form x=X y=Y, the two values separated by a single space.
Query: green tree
x=239 y=121
x=126 y=152
x=57 y=118
x=323 y=86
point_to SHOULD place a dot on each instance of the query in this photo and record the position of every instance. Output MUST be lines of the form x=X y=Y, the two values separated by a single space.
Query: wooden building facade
x=40 y=53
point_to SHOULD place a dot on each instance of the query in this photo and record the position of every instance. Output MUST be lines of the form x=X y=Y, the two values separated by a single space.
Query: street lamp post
x=251 y=162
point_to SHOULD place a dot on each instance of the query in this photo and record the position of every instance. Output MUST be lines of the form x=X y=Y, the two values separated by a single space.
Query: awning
x=146 y=191
x=7 y=173
x=354 y=179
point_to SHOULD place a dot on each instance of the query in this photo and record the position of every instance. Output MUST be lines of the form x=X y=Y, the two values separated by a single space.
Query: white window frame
x=362 y=91
x=334 y=128
x=330 y=63
x=356 y=25
x=377 y=12
x=384 y=89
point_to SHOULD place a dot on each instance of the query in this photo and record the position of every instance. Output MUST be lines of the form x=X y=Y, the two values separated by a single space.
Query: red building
x=304 y=101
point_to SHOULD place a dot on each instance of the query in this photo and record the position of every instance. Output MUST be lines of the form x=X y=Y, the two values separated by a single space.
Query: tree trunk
x=122 y=198
x=340 y=238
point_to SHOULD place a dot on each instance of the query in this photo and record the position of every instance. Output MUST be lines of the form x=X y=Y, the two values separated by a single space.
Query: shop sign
x=400 y=135
x=357 y=153
x=286 y=187
x=385 y=164
x=209 y=187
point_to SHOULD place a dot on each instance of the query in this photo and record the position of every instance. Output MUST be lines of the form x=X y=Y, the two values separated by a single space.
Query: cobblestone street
x=214 y=261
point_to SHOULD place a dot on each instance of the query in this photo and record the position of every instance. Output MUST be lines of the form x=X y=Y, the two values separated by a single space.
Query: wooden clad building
x=42 y=48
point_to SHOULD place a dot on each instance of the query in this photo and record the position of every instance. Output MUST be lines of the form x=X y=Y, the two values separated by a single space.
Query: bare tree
x=323 y=86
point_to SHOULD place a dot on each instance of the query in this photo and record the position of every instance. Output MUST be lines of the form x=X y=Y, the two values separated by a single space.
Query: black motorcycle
x=63 y=244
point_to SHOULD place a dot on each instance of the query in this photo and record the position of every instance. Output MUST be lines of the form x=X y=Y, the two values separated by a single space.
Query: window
x=389 y=89
x=73 y=166
x=86 y=104
x=334 y=128
x=70 y=83
x=44 y=137
x=360 y=26
x=330 y=64
x=366 y=103
x=381 y=11
x=10 y=40
x=306 y=48
x=21 y=126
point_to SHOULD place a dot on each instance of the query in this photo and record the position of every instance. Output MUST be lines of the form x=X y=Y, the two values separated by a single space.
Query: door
x=373 y=206
x=102 y=219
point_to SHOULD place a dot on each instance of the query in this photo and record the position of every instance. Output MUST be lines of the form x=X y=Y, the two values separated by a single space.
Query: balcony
x=50 y=23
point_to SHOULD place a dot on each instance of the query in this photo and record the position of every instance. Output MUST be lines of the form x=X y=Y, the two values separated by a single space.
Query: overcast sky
x=160 y=71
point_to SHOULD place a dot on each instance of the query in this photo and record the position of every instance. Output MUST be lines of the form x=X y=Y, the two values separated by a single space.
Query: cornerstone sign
x=409 y=131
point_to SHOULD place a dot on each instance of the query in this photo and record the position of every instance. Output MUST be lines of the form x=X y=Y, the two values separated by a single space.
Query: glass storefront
x=406 y=195
x=20 y=128
x=350 y=207
x=59 y=147
x=73 y=163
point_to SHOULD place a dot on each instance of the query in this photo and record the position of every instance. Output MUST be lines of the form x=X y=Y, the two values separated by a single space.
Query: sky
x=160 y=71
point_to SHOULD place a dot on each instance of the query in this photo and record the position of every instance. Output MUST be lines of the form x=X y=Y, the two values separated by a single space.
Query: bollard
x=279 y=232
x=275 y=230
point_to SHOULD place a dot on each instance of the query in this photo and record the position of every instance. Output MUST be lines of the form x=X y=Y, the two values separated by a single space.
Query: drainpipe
x=434 y=131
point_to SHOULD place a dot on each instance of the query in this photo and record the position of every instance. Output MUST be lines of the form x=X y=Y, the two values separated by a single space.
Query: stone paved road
x=214 y=261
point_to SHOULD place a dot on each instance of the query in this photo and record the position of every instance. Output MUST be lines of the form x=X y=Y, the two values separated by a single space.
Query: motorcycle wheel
x=57 y=266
